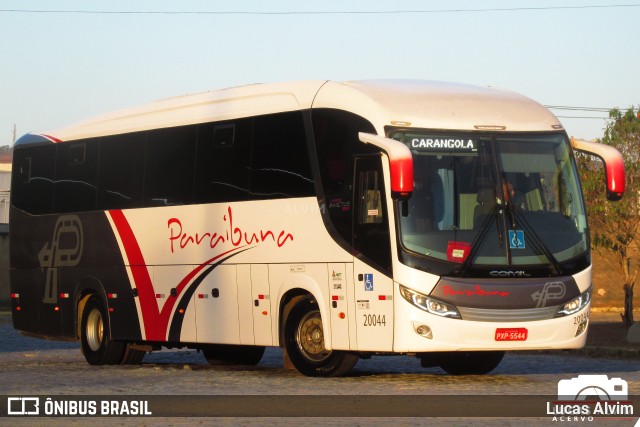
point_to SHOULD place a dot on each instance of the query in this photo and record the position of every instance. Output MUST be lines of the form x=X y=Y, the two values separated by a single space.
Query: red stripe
x=51 y=138
x=155 y=321
x=153 y=328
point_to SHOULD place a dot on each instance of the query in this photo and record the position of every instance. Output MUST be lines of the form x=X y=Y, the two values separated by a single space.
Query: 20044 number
x=580 y=318
x=374 y=320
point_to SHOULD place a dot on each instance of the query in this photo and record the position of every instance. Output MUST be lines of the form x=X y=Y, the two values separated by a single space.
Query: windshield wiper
x=484 y=229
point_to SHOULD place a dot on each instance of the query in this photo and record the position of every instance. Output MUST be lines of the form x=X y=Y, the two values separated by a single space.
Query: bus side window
x=170 y=166
x=222 y=162
x=121 y=171
x=280 y=164
x=32 y=188
x=76 y=176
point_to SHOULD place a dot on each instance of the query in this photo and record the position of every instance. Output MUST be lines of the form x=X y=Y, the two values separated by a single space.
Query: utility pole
x=14 y=135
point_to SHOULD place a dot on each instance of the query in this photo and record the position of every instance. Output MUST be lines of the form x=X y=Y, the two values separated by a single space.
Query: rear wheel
x=97 y=347
x=470 y=362
x=304 y=342
x=221 y=354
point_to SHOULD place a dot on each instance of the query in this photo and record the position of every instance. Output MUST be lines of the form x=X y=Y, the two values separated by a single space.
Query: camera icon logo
x=23 y=406
x=593 y=388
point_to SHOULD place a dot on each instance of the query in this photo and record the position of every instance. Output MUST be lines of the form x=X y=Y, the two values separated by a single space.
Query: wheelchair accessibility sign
x=368 y=282
x=516 y=239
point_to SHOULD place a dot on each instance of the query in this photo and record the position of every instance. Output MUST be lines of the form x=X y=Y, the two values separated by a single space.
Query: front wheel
x=97 y=347
x=470 y=362
x=304 y=342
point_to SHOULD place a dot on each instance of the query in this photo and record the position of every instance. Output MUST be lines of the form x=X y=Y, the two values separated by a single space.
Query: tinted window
x=371 y=233
x=33 y=177
x=337 y=143
x=280 y=161
x=76 y=176
x=121 y=171
x=222 y=173
x=170 y=165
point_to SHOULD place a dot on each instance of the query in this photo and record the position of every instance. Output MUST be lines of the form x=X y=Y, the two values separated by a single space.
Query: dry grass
x=608 y=282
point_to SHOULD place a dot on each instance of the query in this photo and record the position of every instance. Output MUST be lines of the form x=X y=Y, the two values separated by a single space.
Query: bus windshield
x=493 y=201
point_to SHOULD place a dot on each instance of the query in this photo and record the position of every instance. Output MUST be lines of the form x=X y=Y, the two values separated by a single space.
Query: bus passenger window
x=121 y=187
x=32 y=187
x=76 y=176
x=170 y=164
x=280 y=160
x=222 y=162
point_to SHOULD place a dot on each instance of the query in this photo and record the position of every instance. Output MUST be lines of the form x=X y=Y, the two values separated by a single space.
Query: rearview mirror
x=613 y=164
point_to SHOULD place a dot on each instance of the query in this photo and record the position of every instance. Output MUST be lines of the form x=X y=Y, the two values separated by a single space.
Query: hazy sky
x=58 y=68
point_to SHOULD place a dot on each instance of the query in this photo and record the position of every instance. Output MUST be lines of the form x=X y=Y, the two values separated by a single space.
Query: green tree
x=615 y=226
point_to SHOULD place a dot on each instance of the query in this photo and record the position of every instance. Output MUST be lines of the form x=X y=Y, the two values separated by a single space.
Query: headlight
x=575 y=304
x=429 y=304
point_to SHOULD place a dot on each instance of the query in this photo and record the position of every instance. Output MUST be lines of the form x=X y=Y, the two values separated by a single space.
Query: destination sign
x=444 y=143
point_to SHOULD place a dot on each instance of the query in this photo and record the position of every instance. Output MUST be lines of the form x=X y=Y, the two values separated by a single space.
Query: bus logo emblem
x=550 y=291
x=368 y=282
x=64 y=250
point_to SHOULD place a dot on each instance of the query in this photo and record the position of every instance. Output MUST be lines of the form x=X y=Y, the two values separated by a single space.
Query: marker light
x=582 y=327
x=575 y=304
x=429 y=304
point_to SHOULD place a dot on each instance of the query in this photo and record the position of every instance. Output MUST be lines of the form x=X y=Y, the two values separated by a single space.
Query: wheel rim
x=94 y=330
x=310 y=337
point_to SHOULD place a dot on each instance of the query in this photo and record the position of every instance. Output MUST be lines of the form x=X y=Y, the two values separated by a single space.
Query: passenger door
x=372 y=267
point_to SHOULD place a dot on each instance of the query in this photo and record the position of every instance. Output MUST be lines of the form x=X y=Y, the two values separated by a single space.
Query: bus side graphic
x=156 y=319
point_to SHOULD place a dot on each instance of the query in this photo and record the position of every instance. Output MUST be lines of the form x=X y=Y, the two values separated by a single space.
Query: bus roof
x=437 y=105
x=423 y=104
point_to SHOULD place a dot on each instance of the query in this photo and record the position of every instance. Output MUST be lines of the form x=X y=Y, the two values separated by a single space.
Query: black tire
x=97 y=347
x=470 y=362
x=304 y=342
x=221 y=354
x=131 y=356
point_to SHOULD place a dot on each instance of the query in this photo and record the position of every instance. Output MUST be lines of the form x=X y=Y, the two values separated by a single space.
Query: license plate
x=511 y=334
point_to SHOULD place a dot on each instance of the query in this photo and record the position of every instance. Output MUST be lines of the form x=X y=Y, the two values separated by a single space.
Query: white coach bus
x=336 y=220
